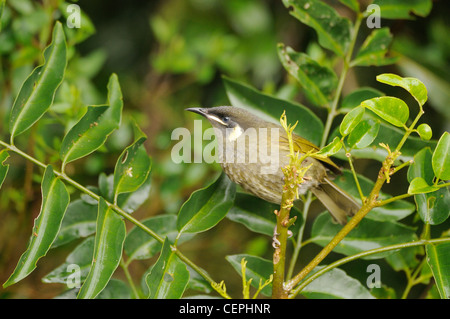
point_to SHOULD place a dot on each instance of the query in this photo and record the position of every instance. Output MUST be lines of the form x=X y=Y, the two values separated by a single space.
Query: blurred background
x=170 y=55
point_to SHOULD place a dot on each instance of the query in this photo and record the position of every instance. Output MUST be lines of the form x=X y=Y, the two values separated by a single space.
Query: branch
x=345 y=260
x=116 y=208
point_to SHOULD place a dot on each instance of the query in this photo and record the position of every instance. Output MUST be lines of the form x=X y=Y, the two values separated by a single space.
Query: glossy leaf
x=374 y=49
x=400 y=9
x=438 y=258
x=363 y=134
x=391 y=109
x=441 y=158
x=139 y=245
x=169 y=276
x=55 y=199
x=332 y=148
x=133 y=165
x=109 y=239
x=3 y=167
x=432 y=207
x=424 y=131
x=418 y=185
x=393 y=211
x=369 y=234
x=414 y=86
x=79 y=221
x=310 y=126
x=95 y=126
x=257 y=214
x=38 y=91
x=335 y=284
x=355 y=98
x=351 y=120
x=130 y=202
x=80 y=257
x=115 y=289
x=207 y=206
x=333 y=31
x=258 y=269
x=318 y=82
x=391 y=136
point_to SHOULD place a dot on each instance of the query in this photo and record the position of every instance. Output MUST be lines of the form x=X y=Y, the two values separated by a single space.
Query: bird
x=244 y=141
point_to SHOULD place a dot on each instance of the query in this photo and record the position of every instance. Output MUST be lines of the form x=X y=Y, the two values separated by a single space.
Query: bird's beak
x=209 y=116
x=198 y=110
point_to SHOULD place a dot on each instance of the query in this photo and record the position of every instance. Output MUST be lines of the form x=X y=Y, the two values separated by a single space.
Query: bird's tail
x=338 y=202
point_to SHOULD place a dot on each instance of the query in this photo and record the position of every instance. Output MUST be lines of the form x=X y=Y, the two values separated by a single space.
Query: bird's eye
x=226 y=119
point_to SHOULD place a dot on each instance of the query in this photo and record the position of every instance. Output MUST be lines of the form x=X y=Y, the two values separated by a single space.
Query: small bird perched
x=244 y=141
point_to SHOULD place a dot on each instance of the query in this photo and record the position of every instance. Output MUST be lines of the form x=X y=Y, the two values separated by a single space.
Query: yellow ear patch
x=235 y=133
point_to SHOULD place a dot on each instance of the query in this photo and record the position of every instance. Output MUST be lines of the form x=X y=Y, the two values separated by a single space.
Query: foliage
x=59 y=122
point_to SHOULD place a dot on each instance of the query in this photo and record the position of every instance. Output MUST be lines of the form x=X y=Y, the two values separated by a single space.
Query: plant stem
x=116 y=208
x=124 y=266
x=333 y=110
x=345 y=260
x=299 y=245
x=392 y=199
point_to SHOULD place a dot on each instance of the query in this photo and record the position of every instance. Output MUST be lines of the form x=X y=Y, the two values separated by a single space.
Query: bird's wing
x=304 y=146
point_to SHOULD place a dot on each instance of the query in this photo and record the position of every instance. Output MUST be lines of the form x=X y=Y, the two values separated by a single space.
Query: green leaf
x=441 y=158
x=332 y=148
x=351 y=120
x=432 y=207
x=55 y=199
x=207 y=206
x=418 y=185
x=258 y=269
x=363 y=134
x=257 y=214
x=438 y=257
x=310 y=126
x=133 y=166
x=369 y=234
x=130 y=202
x=109 y=239
x=332 y=30
x=355 y=98
x=79 y=221
x=415 y=87
x=37 y=92
x=389 y=135
x=335 y=284
x=139 y=245
x=374 y=49
x=352 y=4
x=3 y=167
x=390 y=109
x=318 y=82
x=115 y=289
x=424 y=131
x=95 y=126
x=396 y=210
x=81 y=257
x=169 y=276
x=400 y=9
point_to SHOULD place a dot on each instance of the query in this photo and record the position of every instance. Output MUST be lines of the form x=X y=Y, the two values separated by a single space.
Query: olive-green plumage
x=252 y=152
